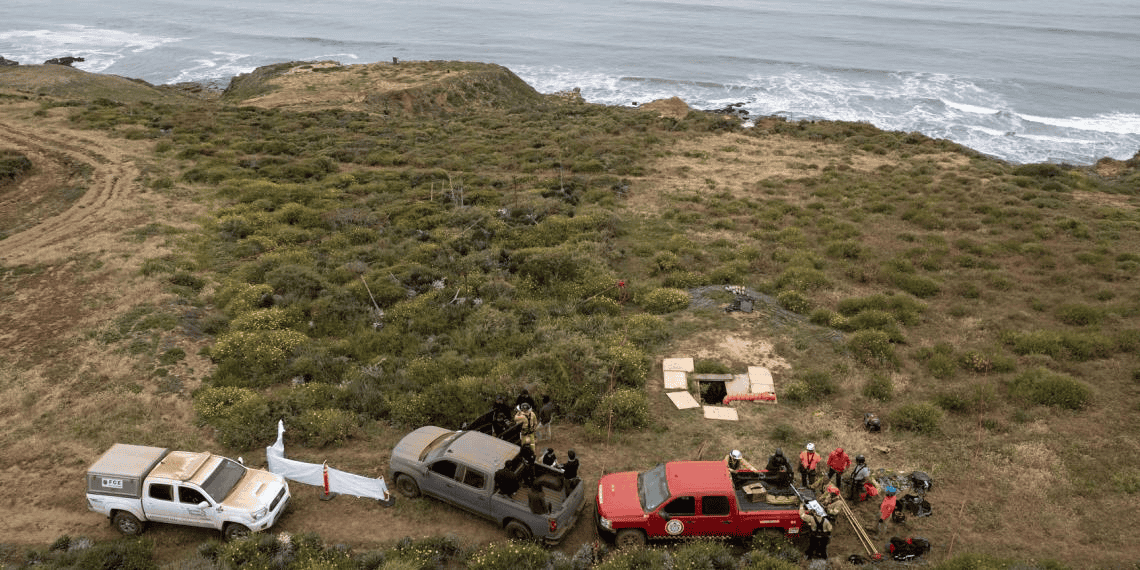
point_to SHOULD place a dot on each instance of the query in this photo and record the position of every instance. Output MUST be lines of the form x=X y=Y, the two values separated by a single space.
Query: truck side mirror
x=203 y=504
x=240 y=460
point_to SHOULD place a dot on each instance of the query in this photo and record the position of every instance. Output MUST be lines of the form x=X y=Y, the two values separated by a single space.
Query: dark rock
x=4 y=61
x=63 y=60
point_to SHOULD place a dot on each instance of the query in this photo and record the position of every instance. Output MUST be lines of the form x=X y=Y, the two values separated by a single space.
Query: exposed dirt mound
x=420 y=87
x=66 y=82
x=672 y=107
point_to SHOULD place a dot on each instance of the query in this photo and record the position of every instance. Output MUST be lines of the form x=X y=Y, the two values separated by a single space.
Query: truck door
x=674 y=518
x=471 y=490
x=190 y=511
x=715 y=518
x=158 y=503
x=458 y=485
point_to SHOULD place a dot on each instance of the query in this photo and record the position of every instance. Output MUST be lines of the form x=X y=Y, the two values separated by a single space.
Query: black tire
x=629 y=538
x=235 y=531
x=518 y=531
x=127 y=523
x=407 y=486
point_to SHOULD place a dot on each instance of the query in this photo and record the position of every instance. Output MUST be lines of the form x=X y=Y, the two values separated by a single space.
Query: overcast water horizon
x=1024 y=81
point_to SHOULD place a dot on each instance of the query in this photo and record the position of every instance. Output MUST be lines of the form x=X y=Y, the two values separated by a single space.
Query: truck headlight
x=259 y=513
x=606 y=524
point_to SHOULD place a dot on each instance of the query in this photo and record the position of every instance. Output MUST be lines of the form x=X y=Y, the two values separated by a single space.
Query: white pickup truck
x=133 y=484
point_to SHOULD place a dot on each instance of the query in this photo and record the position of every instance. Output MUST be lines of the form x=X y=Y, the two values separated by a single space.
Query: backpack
x=915 y=505
x=920 y=481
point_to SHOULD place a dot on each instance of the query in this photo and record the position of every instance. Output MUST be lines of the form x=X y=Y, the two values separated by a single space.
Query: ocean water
x=1021 y=80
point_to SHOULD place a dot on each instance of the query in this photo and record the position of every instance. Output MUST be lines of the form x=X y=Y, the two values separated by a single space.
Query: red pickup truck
x=691 y=498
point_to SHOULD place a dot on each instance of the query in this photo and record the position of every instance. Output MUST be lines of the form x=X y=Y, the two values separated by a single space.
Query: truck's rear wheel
x=127 y=523
x=235 y=531
x=407 y=486
x=629 y=538
x=518 y=531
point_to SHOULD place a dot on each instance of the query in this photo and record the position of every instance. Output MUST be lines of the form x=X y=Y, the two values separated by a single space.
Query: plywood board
x=680 y=364
x=683 y=400
x=721 y=413
x=738 y=386
x=760 y=380
x=676 y=380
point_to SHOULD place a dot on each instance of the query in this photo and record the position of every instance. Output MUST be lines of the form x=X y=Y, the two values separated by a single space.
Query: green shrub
x=626 y=409
x=917 y=285
x=793 y=301
x=242 y=419
x=685 y=280
x=646 y=330
x=322 y=427
x=706 y=366
x=261 y=350
x=640 y=558
x=273 y=318
x=665 y=300
x=297 y=280
x=879 y=387
x=1060 y=345
x=665 y=262
x=1079 y=315
x=872 y=347
x=702 y=555
x=905 y=309
x=810 y=386
x=920 y=418
x=1043 y=387
x=802 y=279
x=773 y=551
x=508 y=555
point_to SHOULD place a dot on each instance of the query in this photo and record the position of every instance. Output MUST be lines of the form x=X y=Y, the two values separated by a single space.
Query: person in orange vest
x=837 y=463
x=809 y=465
x=886 y=509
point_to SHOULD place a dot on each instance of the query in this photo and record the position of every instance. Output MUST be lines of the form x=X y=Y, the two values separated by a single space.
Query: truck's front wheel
x=127 y=523
x=518 y=531
x=235 y=531
x=407 y=486
x=629 y=538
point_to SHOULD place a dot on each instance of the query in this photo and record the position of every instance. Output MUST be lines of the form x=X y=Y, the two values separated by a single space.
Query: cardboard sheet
x=683 y=400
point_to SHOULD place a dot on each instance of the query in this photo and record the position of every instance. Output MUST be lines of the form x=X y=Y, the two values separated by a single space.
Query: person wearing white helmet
x=809 y=465
x=736 y=462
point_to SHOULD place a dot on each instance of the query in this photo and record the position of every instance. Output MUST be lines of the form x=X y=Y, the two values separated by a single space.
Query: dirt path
x=98 y=215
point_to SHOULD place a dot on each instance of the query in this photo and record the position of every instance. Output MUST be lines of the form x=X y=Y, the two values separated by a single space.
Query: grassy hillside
x=393 y=245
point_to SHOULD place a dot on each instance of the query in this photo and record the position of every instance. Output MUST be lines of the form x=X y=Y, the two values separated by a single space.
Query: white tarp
x=340 y=482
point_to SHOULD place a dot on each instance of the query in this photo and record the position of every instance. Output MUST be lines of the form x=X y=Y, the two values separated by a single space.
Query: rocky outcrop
x=5 y=61
x=63 y=60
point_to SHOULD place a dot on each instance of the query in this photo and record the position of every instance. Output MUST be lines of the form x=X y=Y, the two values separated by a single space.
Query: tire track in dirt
x=98 y=215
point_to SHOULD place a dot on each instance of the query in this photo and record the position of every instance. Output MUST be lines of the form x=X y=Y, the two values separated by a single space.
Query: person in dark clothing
x=570 y=468
x=550 y=458
x=859 y=477
x=506 y=482
x=545 y=416
x=500 y=416
x=779 y=470
x=536 y=501
x=524 y=396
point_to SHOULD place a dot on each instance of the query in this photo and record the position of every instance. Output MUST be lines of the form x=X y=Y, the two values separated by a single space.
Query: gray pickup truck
x=461 y=468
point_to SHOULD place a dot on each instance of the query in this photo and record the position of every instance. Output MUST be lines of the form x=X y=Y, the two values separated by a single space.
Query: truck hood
x=618 y=498
x=255 y=490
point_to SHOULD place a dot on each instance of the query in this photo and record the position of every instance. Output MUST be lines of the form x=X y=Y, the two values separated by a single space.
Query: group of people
x=862 y=486
x=532 y=419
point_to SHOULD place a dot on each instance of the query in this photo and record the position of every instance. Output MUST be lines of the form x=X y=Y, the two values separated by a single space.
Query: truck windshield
x=652 y=488
x=223 y=479
x=437 y=443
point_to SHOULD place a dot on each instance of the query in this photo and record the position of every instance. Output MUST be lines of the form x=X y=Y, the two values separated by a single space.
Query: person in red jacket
x=886 y=509
x=809 y=465
x=837 y=463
